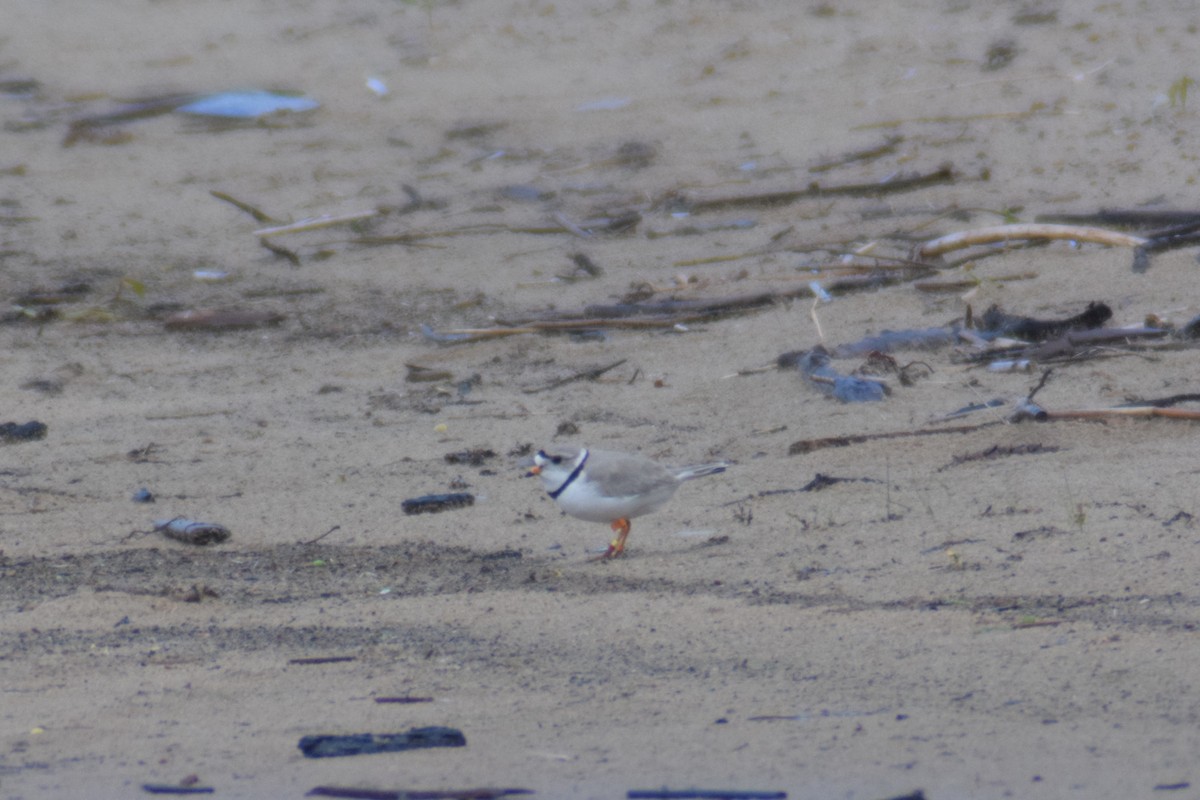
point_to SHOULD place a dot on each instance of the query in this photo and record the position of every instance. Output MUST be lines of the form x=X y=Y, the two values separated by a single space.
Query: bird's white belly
x=595 y=508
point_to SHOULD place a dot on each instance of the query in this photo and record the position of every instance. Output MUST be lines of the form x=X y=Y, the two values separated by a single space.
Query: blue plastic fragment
x=816 y=371
x=247 y=105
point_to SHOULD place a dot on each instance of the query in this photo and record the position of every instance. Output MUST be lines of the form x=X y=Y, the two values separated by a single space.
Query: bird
x=612 y=487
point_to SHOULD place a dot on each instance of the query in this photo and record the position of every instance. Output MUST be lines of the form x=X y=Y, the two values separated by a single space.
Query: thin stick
x=316 y=223
x=887 y=146
x=812 y=312
x=468 y=230
x=1004 y=233
x=259 y=216
x=1132 y=411
x=809 y=445
x=590 y=375
x=323 y=535
x=699 y=262
x=707 y=308
x=741 y=373
x=903 y=183
x=652 y=315
x=460 y=335
x=281 y=251
x=950 y=118
x=561 y=219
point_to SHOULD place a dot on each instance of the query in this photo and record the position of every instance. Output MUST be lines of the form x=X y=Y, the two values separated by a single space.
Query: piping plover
x=603 y=486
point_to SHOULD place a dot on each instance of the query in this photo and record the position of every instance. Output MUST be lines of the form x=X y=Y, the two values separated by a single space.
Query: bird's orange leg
x=617 y=546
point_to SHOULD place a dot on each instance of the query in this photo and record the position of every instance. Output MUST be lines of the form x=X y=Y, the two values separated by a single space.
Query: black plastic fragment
x=433 y=503
x=702 y=794
x=1192 y=329
x=174 y=788
x=484 y=793
x=996 y=321
x=357 y=744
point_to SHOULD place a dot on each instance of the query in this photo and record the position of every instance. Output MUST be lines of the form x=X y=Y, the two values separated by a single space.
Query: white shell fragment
x=377 y=86
x=189 y=531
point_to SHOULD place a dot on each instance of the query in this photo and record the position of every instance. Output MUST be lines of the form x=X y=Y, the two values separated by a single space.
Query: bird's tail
x=700 y=470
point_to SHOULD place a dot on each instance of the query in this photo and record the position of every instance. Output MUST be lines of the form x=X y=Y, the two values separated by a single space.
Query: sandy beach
x=874 y=599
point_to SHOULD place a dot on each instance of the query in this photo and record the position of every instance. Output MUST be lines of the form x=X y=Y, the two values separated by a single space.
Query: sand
x=1008 y=611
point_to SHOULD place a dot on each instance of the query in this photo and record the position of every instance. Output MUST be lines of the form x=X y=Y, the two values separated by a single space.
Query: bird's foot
x=617 y=546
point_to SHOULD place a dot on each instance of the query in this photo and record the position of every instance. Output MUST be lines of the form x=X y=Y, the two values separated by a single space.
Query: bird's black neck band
x=570 y=478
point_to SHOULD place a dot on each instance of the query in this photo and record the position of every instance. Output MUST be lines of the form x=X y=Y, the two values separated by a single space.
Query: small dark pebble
x=143 y=495
x=1000 y=54
x=433 y=503
x=636 y=155
x=1192 y=329
x=30 y=431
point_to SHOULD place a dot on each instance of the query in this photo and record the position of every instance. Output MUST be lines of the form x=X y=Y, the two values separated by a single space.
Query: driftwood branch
x=664 y=314
x=810 y=445
x=1125 y=217
x=1025 y=411
x=1125 y=411
x=1005 y=233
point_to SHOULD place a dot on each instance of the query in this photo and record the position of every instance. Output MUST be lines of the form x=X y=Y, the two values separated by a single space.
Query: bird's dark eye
x=556 y=459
